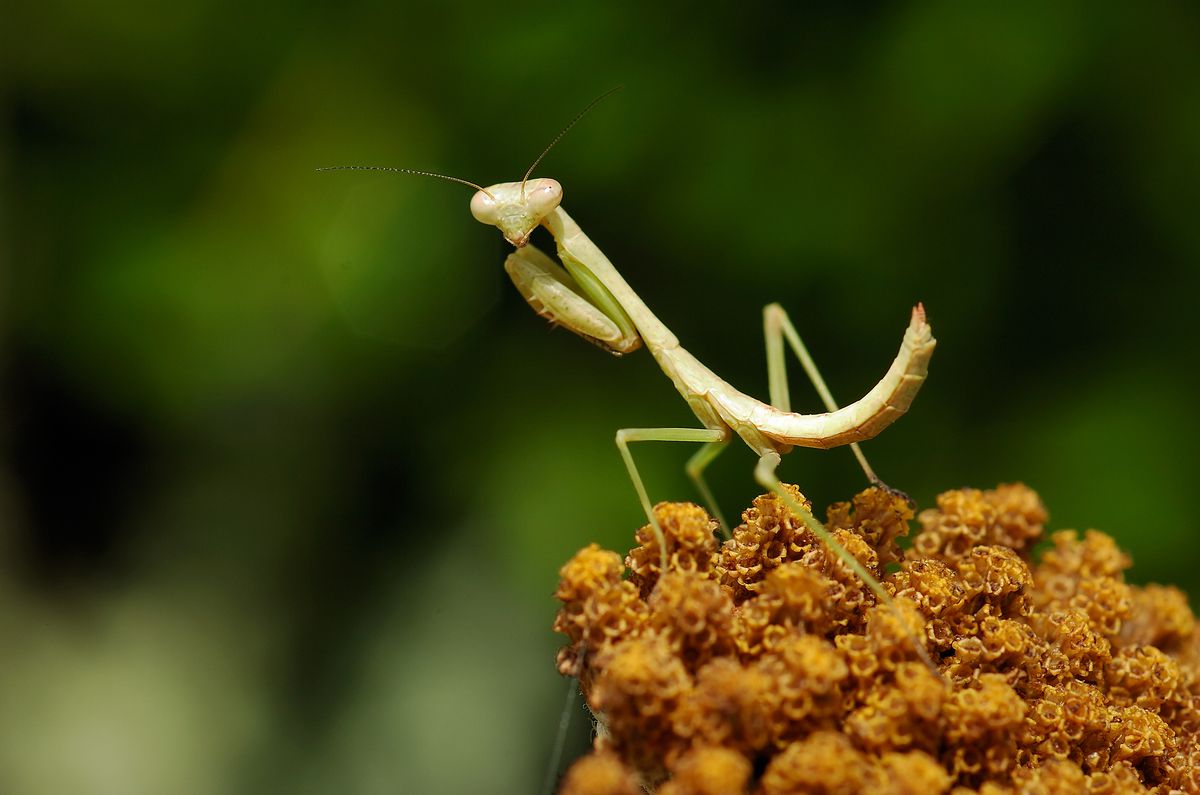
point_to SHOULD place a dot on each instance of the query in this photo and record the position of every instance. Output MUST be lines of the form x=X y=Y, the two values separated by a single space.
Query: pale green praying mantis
x=588 y=296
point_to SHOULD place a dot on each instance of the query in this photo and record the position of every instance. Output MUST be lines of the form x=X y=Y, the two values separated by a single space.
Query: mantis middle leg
x=776 y=327
x=708 y=436
x=695 y=469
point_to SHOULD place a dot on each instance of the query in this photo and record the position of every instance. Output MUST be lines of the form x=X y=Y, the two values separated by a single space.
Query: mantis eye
x=542 y=196
x=484 y=208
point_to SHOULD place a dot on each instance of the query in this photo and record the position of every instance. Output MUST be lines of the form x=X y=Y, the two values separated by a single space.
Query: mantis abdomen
x=747 y=416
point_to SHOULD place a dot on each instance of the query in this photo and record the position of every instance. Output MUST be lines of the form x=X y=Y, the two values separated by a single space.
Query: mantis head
x=516 y=208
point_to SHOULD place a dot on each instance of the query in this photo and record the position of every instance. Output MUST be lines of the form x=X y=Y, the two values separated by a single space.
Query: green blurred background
x=289 y=467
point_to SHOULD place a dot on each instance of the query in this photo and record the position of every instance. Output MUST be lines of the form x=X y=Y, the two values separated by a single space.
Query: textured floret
x=694 y=615
x=1019 y=518
x=691 y=545
x=598 y=607
x=792 y=600
x=1076 y=649
x=825 y=763
x=912 y=773
x=1145 y=677
x=995 y=577
x=733 y=705
x=639 y=688
x=1088 y=574
x=902 y=715
x=769 y=536
x=812 y=686
x=877 y=515
x=600 y=773
x=708 y=771
x=982 y=721
x=1160 y=616
x=1011 y=515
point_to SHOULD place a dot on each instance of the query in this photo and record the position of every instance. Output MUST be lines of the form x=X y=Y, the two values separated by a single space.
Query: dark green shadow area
x=289 y=467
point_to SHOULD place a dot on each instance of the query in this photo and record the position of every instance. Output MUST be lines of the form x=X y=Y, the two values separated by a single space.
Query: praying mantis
x=588 y=296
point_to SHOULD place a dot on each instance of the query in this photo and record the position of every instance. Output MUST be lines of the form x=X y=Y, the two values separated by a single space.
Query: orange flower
x=766 y=666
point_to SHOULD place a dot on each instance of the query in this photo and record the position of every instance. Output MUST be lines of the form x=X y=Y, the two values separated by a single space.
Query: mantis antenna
x=564 y=131
x=468 y=183
x=414 y=171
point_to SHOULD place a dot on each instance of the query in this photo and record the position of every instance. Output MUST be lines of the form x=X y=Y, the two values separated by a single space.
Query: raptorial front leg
x=627 y=435
x=556 y=296
x=777 y=326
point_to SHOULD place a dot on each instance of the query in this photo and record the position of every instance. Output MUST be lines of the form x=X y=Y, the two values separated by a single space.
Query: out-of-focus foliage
x=289 y=468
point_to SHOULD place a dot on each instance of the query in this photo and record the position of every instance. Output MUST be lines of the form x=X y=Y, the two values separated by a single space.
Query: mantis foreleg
x=555 y=295
x=776 y=327
x=627 y=435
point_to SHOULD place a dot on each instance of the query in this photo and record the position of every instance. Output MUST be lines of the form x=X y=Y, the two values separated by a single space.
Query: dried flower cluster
x=766 y=666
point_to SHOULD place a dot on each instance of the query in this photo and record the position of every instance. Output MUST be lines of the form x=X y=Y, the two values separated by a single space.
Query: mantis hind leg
x=627 y=435
x=764 y=473
x=777 y=326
